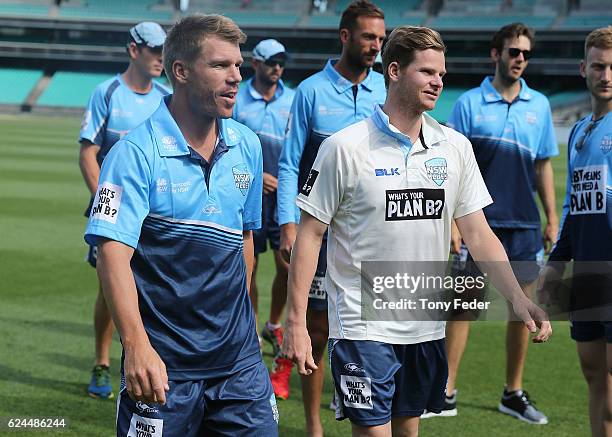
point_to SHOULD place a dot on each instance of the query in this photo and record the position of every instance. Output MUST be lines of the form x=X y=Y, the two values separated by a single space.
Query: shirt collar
x=280 y=89
x=169 y=138
x=341 y=83
x=490 y=94
x=432 y=132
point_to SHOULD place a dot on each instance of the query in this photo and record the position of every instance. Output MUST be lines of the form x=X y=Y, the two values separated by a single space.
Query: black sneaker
x=449 y=409
x=518 y=404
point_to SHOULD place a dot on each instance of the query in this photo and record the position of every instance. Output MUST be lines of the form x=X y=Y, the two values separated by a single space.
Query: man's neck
x=199 y=131
x=354 y=74
x=406 y=119
x=266 y=90
x=508 y=90
x=136 y=81
x=601 y=108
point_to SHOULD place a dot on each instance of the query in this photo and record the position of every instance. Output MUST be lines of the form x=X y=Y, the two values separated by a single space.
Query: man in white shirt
x=388 y=188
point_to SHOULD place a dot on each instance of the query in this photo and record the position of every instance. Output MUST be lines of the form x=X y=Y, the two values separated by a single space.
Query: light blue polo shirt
x=114 y=109
x=324 y=104
x=586 y=224
x=188 y=262
x=267 y=119
x=507 y=138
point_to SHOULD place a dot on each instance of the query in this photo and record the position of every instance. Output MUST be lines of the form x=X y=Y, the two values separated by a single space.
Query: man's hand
x=534 y=317
x=145 y=374
x=455 y=238
x=270 y=183
x=550 y=234
x=298 y=348
x=288 y=232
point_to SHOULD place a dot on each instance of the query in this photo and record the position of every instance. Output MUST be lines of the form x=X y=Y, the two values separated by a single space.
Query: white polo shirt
x=387 y=199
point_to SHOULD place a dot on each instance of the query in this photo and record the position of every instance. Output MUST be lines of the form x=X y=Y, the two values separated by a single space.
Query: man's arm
x=296 y=341
x=298 y=129
x=89 y=165
x=249 y=256
x=487 y=250
x=546 y=190
x=145 y=373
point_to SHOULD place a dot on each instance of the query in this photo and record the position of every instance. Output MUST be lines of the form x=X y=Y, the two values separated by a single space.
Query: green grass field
x=47 y=294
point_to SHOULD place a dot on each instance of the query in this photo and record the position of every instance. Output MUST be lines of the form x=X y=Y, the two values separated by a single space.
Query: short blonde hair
x=600 y=38
x=184 y=41
x=404 y=41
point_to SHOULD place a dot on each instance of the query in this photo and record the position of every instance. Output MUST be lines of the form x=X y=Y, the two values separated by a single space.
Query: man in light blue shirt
x=263 y=104
x=117 y=106
x=173 y=217
x=343 y=93
x=510 y=127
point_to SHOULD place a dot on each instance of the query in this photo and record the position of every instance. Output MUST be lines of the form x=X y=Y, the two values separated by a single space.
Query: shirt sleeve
x=296 y=135
x=252 y=206
x=473 y=193
x=122 y=199
x=93 y=125
x=459 y=118
x=322 y=193
x=548 y=146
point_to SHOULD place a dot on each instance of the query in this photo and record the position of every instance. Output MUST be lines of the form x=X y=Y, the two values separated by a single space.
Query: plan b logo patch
x=437 y=170
x=242 y=178
x=307 y=187
x=415 y=204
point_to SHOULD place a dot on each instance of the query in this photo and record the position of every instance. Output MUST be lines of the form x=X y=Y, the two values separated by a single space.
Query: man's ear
x=583 y=68
x=393 y=70
x=495 y=54
x=345 y=36
x=133 y=50
x=180 y=71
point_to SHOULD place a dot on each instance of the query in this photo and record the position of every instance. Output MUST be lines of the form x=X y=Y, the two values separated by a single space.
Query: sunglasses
x=514 y=52
x=275 y=62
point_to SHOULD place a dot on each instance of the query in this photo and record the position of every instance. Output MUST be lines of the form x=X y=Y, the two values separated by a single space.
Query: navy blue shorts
x=317 y=296
x=523 y=247
x=376 y=381
x=591 y=331
x=270 y=230
x=241 y=404
x=92 y=255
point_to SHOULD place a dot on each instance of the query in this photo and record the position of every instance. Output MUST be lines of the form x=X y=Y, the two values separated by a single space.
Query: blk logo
x=387 y=171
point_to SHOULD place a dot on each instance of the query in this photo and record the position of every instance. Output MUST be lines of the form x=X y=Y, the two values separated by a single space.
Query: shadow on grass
x=488 y=407
x=61 y=326
x=79 y=363
x=10 y=374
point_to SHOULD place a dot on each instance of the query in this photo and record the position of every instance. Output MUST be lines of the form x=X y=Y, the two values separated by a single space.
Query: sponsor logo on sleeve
x=356 y=392
x=107 y=202
x=588 y=190
x=86 y=120
x=414 y=204
x=145 y=427
x=242 y=178
x=307 y=187
x=437 y=170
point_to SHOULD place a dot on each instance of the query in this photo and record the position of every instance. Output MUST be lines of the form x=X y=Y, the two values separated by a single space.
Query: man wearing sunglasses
x=115 y=107
x=510 y=127
x=263 y=104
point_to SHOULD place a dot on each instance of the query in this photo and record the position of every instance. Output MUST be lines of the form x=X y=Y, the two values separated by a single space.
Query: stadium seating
x=68 y=89
x=17 y=84
x=133 y=10
x=587 y=21
x=473 y=21
x=24 y=9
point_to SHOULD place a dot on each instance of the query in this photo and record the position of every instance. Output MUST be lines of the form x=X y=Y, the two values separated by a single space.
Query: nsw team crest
x=606 y=144
x=242 y=178
x=437 y=170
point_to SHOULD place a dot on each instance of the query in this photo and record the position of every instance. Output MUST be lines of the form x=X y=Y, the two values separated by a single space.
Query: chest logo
x=242 y=178
x=606 y=144
x=394 y=171
x=437 y=170
x=414 y=204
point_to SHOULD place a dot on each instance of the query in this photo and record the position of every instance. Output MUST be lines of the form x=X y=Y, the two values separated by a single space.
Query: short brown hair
x=404 y=41
x=184 y=41
x=511 y=31
x=359 y=8
x=600 y=38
